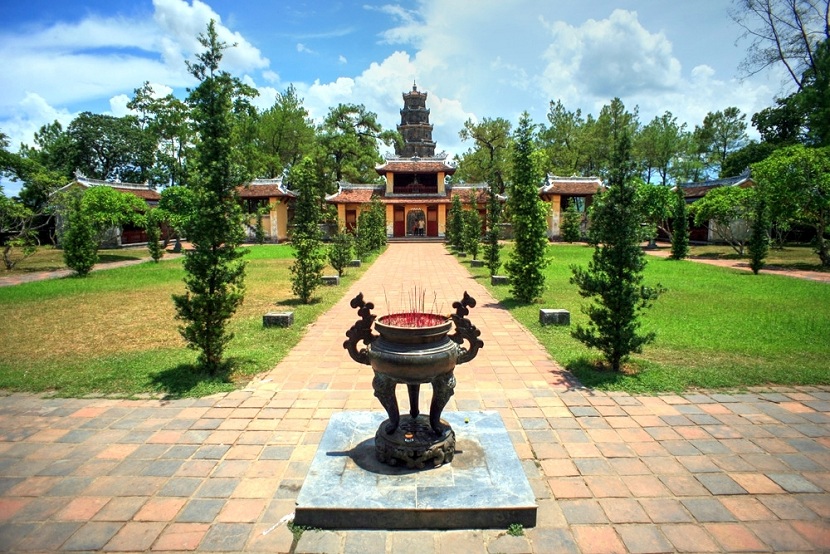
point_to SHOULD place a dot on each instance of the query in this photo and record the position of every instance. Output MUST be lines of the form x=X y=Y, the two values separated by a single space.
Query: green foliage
x=79 y=237
x=571 y=224
x=153 y=230
x=527 y=280
x=215 y=271
x=515 y=530
x=349 y=139
x=18 y=229
x=306 y=237
x=340 y=250
x=489 y=159
x=680 y=226
x=472 y=228
x=758 y=246
x=371 y=229
x=613 y=279
x=284 y=133
x=492 y=248
x=259 y=230
x=455 y=224
x=87 y=218
x=655 y=203
x=725 y=210
x=795 y=183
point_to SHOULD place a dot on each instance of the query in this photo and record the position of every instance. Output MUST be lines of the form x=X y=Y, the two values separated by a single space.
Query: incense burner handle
x=465 y=330
x=360 y=331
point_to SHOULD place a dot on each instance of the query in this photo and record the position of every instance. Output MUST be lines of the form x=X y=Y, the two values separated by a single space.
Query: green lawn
x=49 y=258
x=114 y=332
x=715 y=327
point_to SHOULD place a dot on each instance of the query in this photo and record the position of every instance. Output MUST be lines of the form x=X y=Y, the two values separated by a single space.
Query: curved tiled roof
x=574 y=186
x=354 y=194
x=415 y=165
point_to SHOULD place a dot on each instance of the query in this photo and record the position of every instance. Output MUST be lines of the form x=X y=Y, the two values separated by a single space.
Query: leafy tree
x=782 y=124
x=571 y=224
x=489 y=158
x=377 y=224
x=214 y=269
x=18 y=229
x=87 y=218
x=259 y=229
x=722 y=132
x=455 y=223
x=491 y=235
x=78 y=239
x=471 y=233
x=612 y=116
x=177 y=205
x=725 y=210
x=564 y=141
x=153 y=229
x=814 y=98
x=758 y=246
x=111 y=148
x=614 y=277
x=285 y=133
x=738 y=162
x=527 y=281
x=784 y=32
x=795 y=181
x=658 y=146
x=349 y=139
x=655 y=202
x=680 y=226
x=167 y=120
x=306 y=237
x=340 y=250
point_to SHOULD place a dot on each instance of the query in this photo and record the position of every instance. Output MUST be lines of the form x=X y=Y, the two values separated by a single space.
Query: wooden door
x=432 y=221
x=399 y=227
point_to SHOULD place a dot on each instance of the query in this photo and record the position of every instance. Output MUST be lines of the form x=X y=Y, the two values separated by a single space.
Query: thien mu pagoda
x=416 y=194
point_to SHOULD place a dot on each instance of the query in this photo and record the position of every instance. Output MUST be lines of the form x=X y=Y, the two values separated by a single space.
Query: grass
x=789 y=257
x=716 y=327
x=114 y=331
x=49 y=258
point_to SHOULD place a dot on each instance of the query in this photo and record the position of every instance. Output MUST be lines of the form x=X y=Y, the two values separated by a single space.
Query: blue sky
x=475 y=58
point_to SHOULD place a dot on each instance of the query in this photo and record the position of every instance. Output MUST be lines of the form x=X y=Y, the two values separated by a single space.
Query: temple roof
x=571 y=186
x=264 y=188
x=700 y=189
x=141 y=190
x=416 y=165
x=349 y=193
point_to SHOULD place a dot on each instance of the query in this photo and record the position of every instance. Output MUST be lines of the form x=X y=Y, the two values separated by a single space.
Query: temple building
x=416 y=194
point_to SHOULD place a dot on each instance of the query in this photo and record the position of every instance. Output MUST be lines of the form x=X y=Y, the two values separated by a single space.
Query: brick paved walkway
x=702 y=472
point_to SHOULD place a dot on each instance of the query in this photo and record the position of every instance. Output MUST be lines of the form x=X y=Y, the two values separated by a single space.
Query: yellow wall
x=555 y=216
x=442 y=189
x=390 y=184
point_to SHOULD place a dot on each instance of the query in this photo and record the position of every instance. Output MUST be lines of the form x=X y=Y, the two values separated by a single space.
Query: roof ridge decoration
x=84 y=180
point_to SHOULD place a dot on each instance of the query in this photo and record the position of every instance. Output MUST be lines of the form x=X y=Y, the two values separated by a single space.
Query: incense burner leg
x=385 y=392
x=443 y=387
x=414 y=394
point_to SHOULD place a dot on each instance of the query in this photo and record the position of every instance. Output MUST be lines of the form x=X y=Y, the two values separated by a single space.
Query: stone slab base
x=278 y=319
x=499 y=280
x=484 y=487
x=554 y=317
x=331 y=280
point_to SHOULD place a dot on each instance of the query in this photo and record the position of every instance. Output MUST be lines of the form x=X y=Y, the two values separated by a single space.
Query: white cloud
x=303 y=49
x=342 y=59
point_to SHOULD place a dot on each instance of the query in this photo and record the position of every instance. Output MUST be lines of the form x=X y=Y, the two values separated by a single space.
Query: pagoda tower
x=415 y=127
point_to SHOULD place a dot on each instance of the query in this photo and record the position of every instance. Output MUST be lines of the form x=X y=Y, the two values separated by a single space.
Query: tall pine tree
x=306 y=237
x=613 y=279
x=214 y=269
x=680 y=226
x=527 y=280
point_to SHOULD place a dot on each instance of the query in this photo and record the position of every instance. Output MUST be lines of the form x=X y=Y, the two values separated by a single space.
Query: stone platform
x=484 y=487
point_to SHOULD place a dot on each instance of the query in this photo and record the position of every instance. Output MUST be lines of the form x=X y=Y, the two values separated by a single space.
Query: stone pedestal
x=278 y=319
x=499 y=280
x=554 y=317
x=354 y=263
x=477 y=263
x=331 y=280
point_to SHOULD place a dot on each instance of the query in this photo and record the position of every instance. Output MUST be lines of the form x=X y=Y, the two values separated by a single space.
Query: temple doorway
x=416 y=223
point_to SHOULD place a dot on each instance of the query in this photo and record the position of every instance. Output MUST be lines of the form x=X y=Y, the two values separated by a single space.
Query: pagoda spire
x=415 y=127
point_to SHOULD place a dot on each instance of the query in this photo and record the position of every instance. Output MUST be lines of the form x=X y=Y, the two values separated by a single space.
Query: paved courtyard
x=700 y=472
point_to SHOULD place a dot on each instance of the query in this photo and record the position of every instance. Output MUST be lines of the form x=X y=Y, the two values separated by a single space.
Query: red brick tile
x=135 y=537
x=160 y=509
x=756 y=483
x=569 y=487
x=559 y=468
x=241 y=510
x=596 y=539
x=603 y=486
x=735 y=537
x=689 y=538
x=817 y=532
x=645 y=485
x=181 y=536
x=10 y=506
x=117 y=451
x=82 y=508
x=747 y=508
